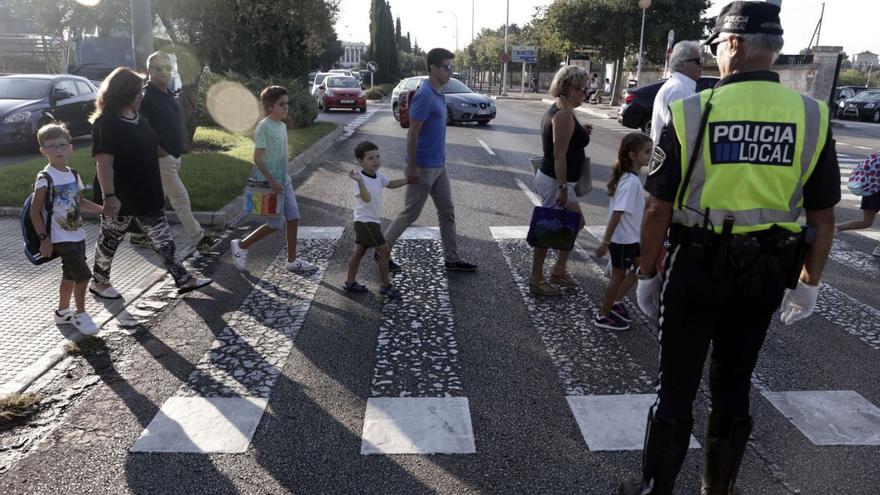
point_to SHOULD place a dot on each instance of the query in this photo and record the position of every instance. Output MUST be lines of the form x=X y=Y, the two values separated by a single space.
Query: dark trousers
x=696 y=310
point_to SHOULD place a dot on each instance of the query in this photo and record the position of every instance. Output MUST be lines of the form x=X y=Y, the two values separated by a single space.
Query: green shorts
x=368 y=234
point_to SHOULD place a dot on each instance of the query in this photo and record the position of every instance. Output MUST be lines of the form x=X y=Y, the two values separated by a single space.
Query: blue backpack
x=28 y=231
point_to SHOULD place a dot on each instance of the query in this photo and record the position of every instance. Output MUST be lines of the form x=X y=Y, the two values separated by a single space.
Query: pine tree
x=398 y=36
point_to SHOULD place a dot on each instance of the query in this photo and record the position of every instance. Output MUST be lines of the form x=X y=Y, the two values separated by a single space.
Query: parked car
x=638 y=103
x=29 y=101
x=316 y=83
x=864 y=106
x=341 y=92
x=462 y=104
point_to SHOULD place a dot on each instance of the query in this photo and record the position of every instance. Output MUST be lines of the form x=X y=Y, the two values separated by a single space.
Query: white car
x=316 y=83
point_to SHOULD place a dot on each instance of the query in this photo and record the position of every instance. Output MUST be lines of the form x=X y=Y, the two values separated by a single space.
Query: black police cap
x=746 y=18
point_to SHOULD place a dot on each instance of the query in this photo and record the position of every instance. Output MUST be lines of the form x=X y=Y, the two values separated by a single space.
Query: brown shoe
x=542 y=288
x=566 y=280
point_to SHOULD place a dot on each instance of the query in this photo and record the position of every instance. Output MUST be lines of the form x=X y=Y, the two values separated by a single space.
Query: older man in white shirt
x=687 y=65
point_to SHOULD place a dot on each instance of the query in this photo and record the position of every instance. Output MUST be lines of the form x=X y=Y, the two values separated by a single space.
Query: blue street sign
x=524 y=54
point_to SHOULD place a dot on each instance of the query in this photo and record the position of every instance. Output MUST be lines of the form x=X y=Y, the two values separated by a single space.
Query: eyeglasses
x=697 y=61
x=56 y=147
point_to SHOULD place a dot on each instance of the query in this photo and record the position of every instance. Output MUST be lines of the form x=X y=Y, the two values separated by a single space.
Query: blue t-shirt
x=271 y=136
x=429 y=106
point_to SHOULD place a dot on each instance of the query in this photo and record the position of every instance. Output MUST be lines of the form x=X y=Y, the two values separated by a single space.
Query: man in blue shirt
x=426 y=159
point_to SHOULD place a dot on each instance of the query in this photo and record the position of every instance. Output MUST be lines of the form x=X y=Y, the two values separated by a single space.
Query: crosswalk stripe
x=221 y=403
x=416 y=405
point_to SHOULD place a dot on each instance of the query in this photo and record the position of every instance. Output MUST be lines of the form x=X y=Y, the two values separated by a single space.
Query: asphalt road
x=517 y=360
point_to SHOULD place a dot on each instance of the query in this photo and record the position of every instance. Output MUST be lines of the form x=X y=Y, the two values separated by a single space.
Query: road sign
x=525 y=54
x=504 y=58
x=372 y=66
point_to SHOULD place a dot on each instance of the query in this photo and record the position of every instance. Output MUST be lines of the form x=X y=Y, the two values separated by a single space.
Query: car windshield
x=24 y=89
x=867 y=96
x=342 y=82
x=455 y=86
x=320 y=78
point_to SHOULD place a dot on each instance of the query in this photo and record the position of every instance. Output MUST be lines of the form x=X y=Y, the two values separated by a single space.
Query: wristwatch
x=109 y=195
x=561 y=186
x=43 y=236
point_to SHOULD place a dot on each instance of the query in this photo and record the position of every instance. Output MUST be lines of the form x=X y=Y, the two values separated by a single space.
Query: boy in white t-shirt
x=64 y=236
x=368 y=186
x=621 y=240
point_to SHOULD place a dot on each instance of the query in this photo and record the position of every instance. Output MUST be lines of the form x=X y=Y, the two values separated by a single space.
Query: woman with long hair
x=128 y=180
x=564 y=140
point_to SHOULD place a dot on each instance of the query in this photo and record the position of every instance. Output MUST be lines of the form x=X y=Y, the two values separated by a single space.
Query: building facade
x=864 y=60
x=354 y=54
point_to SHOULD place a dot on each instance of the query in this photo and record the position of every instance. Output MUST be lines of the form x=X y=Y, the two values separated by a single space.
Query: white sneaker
x=83 y=322
x=876 y=251
x=63 y=316
x=301 y=266
x=239 y=255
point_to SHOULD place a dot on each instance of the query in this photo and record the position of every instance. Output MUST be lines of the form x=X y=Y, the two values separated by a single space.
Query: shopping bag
x=583 y=186
x=864 y=180
x=260 y=200
x=553 y=228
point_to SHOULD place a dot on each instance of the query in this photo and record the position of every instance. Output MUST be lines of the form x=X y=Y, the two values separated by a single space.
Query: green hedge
x=303 y=110
x=375 y=94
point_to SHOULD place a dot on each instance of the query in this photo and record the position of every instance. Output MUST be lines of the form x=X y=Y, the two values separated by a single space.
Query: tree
x=383 y=45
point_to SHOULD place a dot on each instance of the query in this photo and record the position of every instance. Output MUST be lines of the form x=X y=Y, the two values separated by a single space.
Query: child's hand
x=355 y=175
x=277 y=188
x=602 y=250
x=45 y=248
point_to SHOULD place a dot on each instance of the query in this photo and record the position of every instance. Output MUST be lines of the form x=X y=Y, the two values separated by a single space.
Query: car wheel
x=325 y=107
x=876 y=117
x=450 y=119
x=483 y=122
x=646 y=126
x=363 y=109
x=395 y=110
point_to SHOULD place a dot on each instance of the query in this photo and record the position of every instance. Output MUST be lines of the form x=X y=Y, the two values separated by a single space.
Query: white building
x=864 y=60
x=354 y=53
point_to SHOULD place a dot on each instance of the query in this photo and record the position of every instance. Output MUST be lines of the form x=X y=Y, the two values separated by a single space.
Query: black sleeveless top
x=574 y=157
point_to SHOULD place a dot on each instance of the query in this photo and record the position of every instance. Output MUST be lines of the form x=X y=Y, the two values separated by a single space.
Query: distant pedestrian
x=160 y=109
x=686 y=64
x=536 y=78
x=563 y=139
x=128 y=178
x=426 y=162
x=368 y=185
x=63 y=234
x=270 y=164
x=621 y=240
x=870 y=206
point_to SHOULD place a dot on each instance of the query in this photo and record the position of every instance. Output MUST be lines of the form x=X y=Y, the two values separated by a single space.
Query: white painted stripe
x=202 y=425
x=486 y=147
x=424 y=425
x=534 y=198
x=838 y=417
x=862 y=147
x=614 y=422
x=845 y=144
x=421 y=233
x=870 y=234
x=512 y=232
x=852 y=257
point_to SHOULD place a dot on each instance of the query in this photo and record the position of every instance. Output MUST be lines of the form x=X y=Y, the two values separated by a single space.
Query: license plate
x=346 y=102
x=483 y=112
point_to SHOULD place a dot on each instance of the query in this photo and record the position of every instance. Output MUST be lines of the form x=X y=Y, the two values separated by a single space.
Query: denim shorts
x=289 y=212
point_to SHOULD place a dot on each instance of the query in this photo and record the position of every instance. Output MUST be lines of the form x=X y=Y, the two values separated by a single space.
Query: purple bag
x=553 y=228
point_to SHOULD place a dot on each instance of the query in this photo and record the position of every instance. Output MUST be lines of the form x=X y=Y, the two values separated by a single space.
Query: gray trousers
x=433 y=182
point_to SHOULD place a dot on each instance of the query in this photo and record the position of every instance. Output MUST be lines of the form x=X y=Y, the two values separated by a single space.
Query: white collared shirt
x=678 y=86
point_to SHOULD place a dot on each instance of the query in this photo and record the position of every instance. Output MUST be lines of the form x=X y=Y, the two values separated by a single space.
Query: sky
x=848 y=23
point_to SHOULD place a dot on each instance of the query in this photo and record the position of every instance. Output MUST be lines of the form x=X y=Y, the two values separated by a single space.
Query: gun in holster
x=802 y=243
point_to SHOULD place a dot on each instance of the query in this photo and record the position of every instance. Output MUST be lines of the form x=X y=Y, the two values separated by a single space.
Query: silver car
x=316 y=83
x=462 y=104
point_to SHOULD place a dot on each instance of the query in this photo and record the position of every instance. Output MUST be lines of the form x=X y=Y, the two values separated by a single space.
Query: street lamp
x=456 y=24
x=504 y=67
x=643 y=4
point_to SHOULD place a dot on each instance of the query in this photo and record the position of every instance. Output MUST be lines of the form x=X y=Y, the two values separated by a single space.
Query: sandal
x=542 y=288
x=565 y=280
x=354 y=287
x=198 y=284
x=106 y=293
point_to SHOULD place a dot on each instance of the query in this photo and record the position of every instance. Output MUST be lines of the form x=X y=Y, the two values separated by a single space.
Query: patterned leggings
x=156 y=228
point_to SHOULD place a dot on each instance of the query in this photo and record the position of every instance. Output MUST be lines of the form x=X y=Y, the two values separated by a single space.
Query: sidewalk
x=30 y=343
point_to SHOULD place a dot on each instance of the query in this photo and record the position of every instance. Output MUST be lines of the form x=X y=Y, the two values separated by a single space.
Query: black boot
x=725 y=444
x=666 y=444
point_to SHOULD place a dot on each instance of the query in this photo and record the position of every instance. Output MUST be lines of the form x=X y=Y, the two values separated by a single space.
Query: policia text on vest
x=758 y=143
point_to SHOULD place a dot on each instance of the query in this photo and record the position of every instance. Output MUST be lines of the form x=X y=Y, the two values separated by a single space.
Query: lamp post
x=504 y=67
x=643 y=4
x=456 y=24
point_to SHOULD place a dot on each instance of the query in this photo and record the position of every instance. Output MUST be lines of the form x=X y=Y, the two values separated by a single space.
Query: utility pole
x=504 y=67
x=141 y=31
x=643 y=4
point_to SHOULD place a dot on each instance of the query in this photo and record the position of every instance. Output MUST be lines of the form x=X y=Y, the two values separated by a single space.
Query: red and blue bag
x=864 y=180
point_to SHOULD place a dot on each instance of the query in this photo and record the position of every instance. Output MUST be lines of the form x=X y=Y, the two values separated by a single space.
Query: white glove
x=799 y=303
x=648 y=296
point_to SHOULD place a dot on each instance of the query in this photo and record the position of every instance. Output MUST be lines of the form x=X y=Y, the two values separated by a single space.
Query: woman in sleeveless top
x=564 y=140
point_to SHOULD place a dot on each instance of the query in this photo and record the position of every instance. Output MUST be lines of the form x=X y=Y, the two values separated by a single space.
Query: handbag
x=553 y=228
x=584 y=184
x=260 y=200
x=864 y=180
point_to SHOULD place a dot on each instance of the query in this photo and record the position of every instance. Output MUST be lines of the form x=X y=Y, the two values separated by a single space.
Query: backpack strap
x=50 y=200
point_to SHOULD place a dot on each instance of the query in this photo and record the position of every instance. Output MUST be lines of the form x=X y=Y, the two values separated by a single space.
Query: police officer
x=733 y=170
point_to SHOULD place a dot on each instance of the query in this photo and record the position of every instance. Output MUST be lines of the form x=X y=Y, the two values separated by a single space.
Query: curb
x=593 y=112
x=232 y=210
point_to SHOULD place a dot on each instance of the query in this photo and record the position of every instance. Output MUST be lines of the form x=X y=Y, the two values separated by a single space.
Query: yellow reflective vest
x=760 y=144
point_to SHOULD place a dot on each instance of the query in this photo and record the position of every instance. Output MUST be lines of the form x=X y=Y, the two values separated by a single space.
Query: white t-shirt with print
x=372 y=211
x=629 y=199
x=67 y=224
